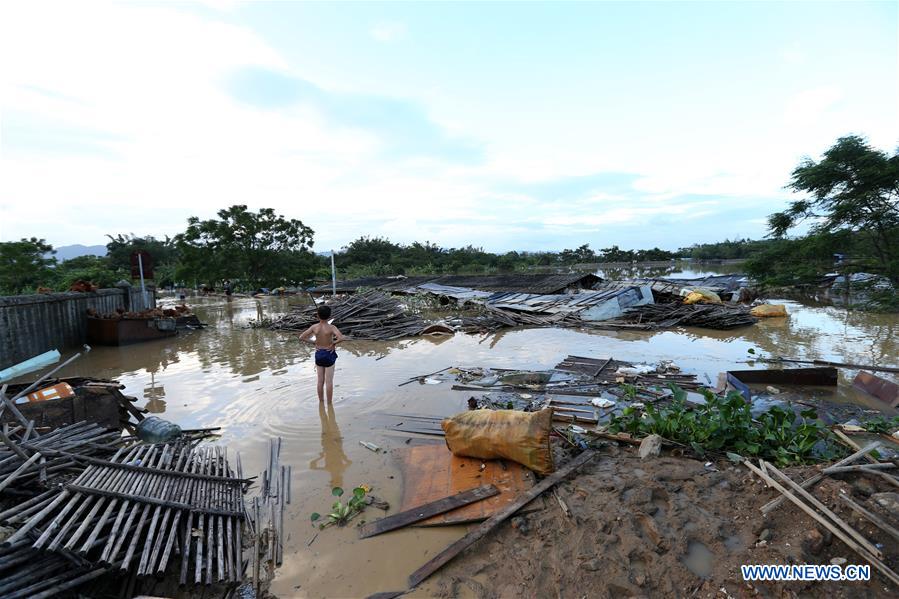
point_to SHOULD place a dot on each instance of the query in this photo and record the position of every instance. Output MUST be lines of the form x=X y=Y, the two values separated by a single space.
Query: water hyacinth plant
x=341 y=513
x=725 y=424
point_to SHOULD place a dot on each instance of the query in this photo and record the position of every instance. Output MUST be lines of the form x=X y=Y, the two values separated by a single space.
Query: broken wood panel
x=427 y=510
x=439 y=560
x=432 y=472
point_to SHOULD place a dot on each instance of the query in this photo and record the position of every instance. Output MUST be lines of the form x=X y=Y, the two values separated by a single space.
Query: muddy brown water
x=256 y=383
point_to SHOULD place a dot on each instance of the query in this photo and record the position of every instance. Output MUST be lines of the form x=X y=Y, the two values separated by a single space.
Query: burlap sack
x=522 y=437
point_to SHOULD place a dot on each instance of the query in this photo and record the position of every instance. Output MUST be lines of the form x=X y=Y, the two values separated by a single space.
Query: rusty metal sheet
x=882 y=389
x=820 y=376
x=431 y=472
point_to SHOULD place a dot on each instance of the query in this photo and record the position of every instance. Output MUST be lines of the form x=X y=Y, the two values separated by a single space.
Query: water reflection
x=332 y=454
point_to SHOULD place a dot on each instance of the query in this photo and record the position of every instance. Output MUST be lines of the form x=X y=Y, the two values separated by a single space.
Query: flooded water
x=256 y=383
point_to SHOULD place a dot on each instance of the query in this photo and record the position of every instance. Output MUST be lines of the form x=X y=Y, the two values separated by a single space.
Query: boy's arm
x=338 y=336
x=305 y=335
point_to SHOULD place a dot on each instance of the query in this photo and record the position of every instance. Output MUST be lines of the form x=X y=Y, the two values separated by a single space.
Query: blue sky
x=506 y=125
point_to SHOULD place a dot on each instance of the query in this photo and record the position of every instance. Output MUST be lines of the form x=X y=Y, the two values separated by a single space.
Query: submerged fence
x=33 y=324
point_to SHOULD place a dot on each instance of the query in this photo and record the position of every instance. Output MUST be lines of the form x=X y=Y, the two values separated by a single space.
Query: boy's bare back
x=325 y=334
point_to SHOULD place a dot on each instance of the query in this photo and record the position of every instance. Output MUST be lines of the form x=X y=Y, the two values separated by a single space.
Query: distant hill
x=67 y=252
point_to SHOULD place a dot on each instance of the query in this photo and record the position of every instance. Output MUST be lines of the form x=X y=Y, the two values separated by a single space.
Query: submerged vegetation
x=725 y=424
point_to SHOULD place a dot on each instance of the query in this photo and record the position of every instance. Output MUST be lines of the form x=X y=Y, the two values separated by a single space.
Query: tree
x=854 y=188
x=95 y=269
x=256 y=248
x=580 y=255
x=25 y=264
x=163 y=252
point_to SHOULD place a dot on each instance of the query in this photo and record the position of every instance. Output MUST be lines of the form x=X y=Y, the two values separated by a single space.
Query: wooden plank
x=432 y=472
x=439 y=560
x=427 y=510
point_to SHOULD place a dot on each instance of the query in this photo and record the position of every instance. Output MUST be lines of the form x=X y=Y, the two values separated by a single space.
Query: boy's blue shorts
x=325 y=357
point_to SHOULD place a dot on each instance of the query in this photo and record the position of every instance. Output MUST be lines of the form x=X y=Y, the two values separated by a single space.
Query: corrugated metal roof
x=569 y=302
x=523 y=283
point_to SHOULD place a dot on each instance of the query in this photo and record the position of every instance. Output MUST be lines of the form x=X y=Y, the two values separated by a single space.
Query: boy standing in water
x=327 y=336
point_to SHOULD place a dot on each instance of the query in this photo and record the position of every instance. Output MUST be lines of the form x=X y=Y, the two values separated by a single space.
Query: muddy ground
x=664 y=527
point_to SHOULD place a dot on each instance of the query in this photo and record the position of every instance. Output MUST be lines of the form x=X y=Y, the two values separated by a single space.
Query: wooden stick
x=876 y=520
x=845 y=439
x=9 y=479
x=826 y=511
x=859 y=467
x=814 y=480
x=826 y=363
x=826 y=524
x=488 y=525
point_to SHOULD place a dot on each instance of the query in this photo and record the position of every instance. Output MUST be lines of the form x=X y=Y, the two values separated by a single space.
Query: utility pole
x=333 y=276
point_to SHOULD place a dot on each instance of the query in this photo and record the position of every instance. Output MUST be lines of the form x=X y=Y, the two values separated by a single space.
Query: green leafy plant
x=725 y=424
x=881 y=426
x=341 y=513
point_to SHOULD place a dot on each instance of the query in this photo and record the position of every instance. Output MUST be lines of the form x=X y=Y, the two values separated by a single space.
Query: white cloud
x=388 y=31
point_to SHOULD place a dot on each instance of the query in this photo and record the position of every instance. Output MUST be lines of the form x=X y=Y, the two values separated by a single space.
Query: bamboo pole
x=892 y=576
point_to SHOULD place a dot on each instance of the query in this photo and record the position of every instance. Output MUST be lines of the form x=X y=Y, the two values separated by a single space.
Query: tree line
x=850 y=199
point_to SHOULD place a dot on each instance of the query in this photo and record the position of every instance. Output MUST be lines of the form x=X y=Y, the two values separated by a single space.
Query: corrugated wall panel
x=33 y=324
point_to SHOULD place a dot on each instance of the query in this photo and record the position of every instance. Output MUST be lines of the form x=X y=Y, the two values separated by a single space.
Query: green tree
x=254 y=248
x=163 y=252
x=854 y=188
x=582 y=254
x=25 y=264
x=95 y=269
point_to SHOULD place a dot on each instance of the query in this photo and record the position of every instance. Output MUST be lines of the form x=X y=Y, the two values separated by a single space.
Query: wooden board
x=422 y=512
x=431 y=472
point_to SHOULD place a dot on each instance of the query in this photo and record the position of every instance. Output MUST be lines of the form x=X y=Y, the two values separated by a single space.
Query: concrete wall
x=33 y=324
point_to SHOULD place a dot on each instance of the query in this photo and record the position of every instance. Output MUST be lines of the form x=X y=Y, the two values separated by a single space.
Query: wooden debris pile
x=90 y=502
x=575 y=389
x=366 y=316
x=492 y=319
x=134 y=508
x=668 y=315
x=800 y=495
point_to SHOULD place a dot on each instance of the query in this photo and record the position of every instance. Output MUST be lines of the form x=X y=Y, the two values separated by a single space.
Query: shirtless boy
x=327 y=336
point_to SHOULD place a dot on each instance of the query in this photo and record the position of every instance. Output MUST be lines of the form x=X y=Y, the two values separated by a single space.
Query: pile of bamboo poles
x=135 y=510
x=493 y=319
x=26 y=458
x=268 y=516
x=367 y=316
x=158 y=489
x=664 y=316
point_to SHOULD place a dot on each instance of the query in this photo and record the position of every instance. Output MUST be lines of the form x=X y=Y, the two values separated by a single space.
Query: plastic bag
x=704 y=296
x=157 y=430
x=766 y=310
x=522 y=437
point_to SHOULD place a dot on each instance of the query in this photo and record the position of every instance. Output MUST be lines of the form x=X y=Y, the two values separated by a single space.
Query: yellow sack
x=765 y=310
x=702 y=295
x=522 y=437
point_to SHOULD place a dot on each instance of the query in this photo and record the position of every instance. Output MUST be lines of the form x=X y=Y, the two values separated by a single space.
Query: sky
x=525 y=126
